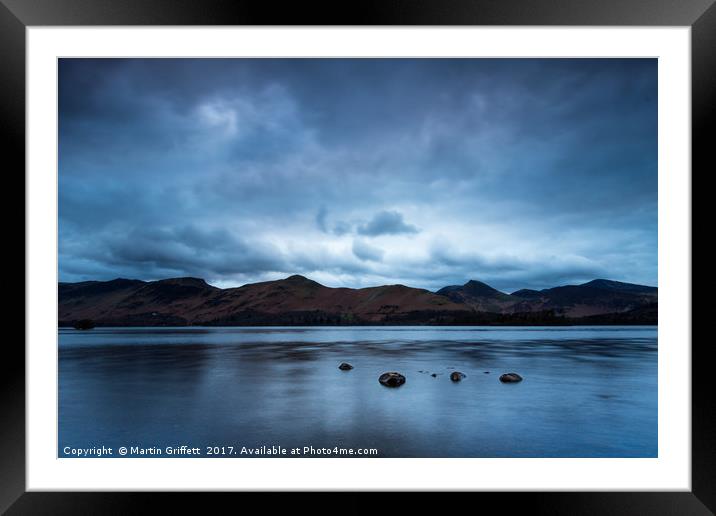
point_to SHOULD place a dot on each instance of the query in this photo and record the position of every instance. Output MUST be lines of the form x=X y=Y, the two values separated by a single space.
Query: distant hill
x=479 y=296
x=297 y=300
x=596 y=297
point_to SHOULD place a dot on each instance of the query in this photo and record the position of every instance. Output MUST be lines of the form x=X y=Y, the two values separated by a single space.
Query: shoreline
x=366 y=325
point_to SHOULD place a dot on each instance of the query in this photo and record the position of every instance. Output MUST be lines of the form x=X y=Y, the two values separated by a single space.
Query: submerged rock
x=84 y=324
x=510 y=378
x=392 y=379
x=456 y=376
x=345 y=366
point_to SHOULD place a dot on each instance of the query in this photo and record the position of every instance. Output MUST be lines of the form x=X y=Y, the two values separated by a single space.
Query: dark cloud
x=321 y=219
x=386 y=223
x=366 y=252
x=519 y=172
x=186 y=250
x=342 y=227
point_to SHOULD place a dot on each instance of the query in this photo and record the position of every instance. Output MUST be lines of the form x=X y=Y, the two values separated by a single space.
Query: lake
x=246 y=392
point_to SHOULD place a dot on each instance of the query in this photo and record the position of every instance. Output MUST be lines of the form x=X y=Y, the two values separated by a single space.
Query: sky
x=522 y=173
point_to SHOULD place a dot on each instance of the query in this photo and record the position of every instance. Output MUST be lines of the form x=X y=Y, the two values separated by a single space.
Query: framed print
x=424 y=249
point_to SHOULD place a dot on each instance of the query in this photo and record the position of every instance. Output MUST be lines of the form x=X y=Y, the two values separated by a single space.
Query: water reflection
x=588 y=391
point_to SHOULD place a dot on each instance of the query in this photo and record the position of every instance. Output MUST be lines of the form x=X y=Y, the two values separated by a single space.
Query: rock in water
x=345 y=366
x=392 y=379
x=434 y=375
x=456 y=376
x=84 y=324
x=510 y=378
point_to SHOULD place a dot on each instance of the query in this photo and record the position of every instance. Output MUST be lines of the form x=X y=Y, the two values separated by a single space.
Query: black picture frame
x=16 y=15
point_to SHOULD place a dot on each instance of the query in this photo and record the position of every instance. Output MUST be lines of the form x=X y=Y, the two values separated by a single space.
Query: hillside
x=297 y=300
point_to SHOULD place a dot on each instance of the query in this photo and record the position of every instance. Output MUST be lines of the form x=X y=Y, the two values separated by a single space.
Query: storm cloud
x=524 y=173
x=386 y=223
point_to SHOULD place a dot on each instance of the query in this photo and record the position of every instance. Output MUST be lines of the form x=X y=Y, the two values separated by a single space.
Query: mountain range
x=297 y=300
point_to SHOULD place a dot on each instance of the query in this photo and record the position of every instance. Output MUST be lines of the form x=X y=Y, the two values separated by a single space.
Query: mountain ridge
x=297 y=300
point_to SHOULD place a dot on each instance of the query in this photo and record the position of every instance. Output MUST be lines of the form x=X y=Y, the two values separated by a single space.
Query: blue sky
x=523 y=173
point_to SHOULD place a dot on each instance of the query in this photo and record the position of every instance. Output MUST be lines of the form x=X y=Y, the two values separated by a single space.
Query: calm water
x=587 y=391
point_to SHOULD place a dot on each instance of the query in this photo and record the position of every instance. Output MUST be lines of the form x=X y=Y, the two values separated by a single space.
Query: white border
x=670 y=471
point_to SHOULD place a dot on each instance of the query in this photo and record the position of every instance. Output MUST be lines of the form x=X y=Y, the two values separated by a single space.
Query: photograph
x=321 y=257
